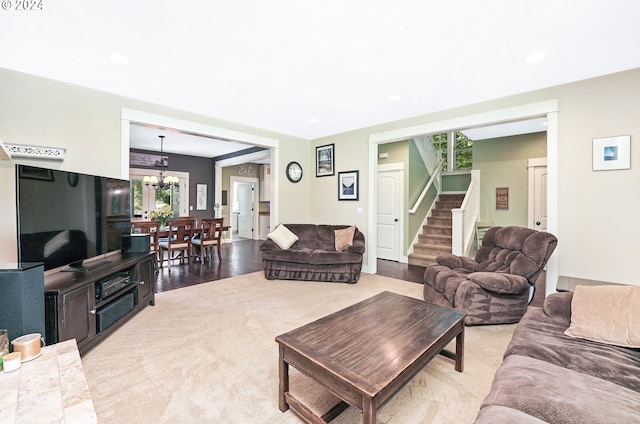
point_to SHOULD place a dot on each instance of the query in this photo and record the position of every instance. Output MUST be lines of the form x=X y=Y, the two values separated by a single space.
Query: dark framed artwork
x=502 y=198
x=349 y=185
x=325 y=160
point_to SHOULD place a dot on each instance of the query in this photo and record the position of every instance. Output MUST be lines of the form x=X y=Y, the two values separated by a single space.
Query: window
x=461 y=151
x=145 y=198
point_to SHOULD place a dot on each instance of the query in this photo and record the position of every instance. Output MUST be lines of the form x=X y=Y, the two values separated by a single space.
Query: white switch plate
x=359 y=211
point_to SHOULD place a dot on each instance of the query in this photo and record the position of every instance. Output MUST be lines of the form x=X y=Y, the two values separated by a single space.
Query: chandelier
x=165 y=181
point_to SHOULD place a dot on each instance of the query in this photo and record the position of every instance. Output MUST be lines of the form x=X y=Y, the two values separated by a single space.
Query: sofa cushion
x=344 y=238
x=542 y=337
x=557 y=395
x=498 y=282
x=606 y=314
x=515 y=250
x=322 y=257
x=283 y=237
x=307 y=236
x=299 y=256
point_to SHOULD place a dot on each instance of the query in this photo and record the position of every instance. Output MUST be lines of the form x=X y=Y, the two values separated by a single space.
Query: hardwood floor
x=243 y=257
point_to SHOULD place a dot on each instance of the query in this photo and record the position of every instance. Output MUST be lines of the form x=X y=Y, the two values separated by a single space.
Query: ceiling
x=147 y=137
x=314 y=69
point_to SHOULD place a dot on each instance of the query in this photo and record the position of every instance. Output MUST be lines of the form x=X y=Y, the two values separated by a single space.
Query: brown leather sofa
x=314 y=257
x=495 y=287
x=549 y=377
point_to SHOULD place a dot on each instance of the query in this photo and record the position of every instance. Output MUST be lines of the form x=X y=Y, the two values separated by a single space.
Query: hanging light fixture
x=165 y=181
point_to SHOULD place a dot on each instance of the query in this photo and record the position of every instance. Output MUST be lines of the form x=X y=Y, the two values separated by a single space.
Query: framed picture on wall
x=348 y=185
x=612 y=153
x=502 y=198
x=325 y=160
x=201 y=197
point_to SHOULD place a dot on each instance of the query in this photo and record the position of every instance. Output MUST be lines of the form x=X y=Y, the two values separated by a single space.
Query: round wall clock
x=294 y=172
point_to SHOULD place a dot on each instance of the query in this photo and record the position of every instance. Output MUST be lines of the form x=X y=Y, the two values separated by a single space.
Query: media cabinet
x=87 y=305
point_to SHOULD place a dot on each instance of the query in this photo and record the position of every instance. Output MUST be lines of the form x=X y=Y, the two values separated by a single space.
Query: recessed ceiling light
x=535 y=57
x=119 y=58
x=313 y=120
x=395 y=98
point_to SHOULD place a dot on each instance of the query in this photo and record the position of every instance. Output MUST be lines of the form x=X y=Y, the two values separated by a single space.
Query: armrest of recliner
x=499 y=282
x=456 y=262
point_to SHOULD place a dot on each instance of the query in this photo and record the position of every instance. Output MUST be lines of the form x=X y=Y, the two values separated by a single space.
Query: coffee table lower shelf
x=367 y=352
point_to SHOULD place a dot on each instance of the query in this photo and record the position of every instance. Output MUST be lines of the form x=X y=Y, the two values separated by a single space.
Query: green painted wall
x=503 y=163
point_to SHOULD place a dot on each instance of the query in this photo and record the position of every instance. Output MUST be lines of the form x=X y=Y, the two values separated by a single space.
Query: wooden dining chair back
x=177 y=244
x=152 y=228
x=210 y=238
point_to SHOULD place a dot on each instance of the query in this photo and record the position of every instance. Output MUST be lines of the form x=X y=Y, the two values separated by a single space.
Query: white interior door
x=538 y=194
x=246 y=203
x=390 y=212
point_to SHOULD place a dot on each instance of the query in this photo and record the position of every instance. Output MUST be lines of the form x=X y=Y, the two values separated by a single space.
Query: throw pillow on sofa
x=344 y=238
x=606 y=314
x=283 y=237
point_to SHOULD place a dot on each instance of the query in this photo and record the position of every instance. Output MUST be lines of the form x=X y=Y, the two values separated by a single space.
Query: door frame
x=547 y=108
x=127 y=116
x=393 y=167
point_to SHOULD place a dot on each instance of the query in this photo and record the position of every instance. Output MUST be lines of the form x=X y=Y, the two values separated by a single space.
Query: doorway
x=244 y=210
x=545 y=108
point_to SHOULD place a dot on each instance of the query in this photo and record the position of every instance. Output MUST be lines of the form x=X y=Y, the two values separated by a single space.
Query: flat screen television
x=65 y=217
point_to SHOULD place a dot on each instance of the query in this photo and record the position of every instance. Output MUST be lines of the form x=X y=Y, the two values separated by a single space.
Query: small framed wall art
x=612 y=153
x=502 y=198
x=348 y=185
x=201 y=197
x=325 y=160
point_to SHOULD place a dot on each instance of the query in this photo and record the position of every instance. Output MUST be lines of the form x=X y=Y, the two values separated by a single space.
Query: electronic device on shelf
x=69 y=219
x=109 y=286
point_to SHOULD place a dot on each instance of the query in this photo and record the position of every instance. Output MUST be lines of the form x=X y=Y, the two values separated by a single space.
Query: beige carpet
x=206 y=354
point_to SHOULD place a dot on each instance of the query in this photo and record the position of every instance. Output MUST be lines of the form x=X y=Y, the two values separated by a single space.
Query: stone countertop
x=49 y=389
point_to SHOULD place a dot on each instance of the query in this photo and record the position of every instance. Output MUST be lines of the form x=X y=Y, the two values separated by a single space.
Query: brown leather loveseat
x=313 y=257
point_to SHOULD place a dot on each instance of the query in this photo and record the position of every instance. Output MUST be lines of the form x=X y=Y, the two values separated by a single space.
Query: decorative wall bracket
x=34 y=152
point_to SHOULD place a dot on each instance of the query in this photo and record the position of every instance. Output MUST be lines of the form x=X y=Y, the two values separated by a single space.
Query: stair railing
x=464 y=218
x=433 y=163
x=436 y=181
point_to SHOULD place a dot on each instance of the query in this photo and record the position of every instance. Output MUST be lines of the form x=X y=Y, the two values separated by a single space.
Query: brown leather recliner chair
x=494 y=287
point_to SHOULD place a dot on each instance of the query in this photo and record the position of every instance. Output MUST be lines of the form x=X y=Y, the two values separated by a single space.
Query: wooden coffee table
x=366 y=352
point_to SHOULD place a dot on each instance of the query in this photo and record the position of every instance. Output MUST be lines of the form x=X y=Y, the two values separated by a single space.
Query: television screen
x=66 y=217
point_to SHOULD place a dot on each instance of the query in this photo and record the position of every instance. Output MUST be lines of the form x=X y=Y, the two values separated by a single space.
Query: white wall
x=87 y=123
x=503 y=163
x=596 y=210
x=597 y=234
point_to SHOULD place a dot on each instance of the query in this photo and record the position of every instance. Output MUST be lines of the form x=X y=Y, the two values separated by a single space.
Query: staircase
x=436 y=235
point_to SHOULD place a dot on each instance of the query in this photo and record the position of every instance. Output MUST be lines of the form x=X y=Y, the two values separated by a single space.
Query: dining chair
x=210 y=237
x=152 y=228
x=177 y=244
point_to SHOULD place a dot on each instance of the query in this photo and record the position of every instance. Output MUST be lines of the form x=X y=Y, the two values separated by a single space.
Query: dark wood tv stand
x=75 y=308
